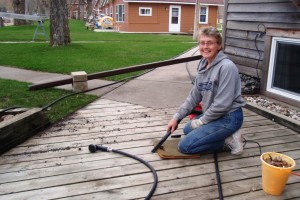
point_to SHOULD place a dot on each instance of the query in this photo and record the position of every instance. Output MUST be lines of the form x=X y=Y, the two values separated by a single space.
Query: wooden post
x=79 y=81
x=196 y=20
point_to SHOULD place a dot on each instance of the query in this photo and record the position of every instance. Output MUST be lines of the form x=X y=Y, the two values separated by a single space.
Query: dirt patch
x=277 y=162
x=6 y=117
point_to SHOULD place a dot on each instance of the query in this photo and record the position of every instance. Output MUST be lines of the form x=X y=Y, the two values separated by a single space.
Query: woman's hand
x=172 y=125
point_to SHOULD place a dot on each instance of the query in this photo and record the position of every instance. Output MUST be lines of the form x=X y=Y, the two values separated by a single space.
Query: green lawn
x=14 y=93
x=89 y=51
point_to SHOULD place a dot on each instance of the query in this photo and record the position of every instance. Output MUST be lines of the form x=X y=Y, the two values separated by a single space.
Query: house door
x=174 y=18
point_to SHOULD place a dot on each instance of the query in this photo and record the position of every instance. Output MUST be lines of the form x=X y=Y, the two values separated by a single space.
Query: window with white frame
x=145 y=11
x=111 y=13
x=120 y=13
x=203 y=16
x=284 y=68
x=106 y=11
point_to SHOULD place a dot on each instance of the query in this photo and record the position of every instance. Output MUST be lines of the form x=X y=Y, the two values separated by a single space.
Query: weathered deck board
x=57 y=163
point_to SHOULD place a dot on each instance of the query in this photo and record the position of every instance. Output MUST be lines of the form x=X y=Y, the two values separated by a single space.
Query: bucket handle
x=294 y=173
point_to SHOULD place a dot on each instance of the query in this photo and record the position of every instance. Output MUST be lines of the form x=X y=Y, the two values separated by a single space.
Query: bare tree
x=59 y=23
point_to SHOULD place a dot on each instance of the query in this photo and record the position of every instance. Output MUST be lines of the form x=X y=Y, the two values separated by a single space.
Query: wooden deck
x=56 y=164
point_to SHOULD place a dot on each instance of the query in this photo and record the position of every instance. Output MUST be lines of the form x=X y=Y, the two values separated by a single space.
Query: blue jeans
x=210 y=136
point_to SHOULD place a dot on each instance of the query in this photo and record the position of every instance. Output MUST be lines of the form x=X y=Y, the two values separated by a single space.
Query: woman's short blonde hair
x=211 y=32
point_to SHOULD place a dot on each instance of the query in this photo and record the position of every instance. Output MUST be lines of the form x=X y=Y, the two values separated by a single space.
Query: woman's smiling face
x=209 y=47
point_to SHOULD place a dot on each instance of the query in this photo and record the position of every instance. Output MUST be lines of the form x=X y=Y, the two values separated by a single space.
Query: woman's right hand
x=172 y=125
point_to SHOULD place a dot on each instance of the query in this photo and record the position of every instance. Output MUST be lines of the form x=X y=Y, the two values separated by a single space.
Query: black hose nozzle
x=93 y=148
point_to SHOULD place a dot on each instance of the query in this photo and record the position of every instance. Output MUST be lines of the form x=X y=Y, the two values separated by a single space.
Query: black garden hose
x=10 y=108
x=93 y=148
x=220 y=190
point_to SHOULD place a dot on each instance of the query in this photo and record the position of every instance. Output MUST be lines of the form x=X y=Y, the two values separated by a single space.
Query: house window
x=203 y=16
x=106 y=11
x=120 y=12
x=284 y=68
x=111 y=12
x=143 y=11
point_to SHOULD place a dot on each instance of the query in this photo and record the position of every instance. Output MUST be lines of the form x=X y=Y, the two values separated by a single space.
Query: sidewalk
x=161 y=88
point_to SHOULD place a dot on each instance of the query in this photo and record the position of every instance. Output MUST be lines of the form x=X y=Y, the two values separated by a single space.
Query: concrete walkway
x=161 y=88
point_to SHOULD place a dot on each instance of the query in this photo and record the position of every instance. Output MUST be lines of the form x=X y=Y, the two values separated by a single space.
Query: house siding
x=187 y=19
x=121 y=25
x=159 y=21
x=245 y=19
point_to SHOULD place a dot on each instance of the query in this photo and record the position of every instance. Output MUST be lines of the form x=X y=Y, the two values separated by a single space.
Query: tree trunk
x=81 y=9
x=78 y=10
x=19 y=8
x=89 y=8
x=59 y=23
x=1 y=22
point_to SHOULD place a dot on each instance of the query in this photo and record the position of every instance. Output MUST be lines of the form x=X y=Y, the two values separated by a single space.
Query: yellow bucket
x=274 y=178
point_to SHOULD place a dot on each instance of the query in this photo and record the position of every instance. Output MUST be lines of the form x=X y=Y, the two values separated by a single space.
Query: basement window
x=284 y=68
x=145 y=11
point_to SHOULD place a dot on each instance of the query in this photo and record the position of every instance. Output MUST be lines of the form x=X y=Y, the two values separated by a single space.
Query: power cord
x=253 y=141
x=125 y=80
x=187 y=69
x=260 y=34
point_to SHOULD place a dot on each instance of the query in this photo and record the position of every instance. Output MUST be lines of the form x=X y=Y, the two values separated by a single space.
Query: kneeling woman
x=218 y=86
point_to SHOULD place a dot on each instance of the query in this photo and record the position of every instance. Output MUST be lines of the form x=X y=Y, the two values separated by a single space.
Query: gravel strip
x=274 y=107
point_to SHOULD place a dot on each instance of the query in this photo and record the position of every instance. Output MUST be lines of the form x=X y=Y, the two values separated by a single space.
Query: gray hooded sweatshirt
x=218 y=88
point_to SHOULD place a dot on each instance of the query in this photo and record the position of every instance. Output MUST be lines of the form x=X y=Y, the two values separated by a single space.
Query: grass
x=89 y=51
x=14 y=93
x=89 y=57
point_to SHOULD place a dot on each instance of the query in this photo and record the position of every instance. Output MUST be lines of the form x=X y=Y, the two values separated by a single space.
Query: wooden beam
x=116 y=72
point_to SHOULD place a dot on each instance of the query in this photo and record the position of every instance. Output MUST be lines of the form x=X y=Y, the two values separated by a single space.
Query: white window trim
x=145 y=8
x=206 y=18
x=271 y=69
